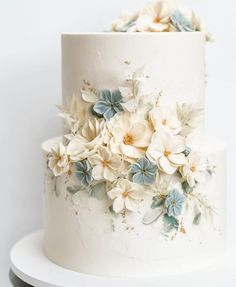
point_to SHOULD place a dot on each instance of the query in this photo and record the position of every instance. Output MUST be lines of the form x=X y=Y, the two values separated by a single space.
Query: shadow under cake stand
x=30 y=264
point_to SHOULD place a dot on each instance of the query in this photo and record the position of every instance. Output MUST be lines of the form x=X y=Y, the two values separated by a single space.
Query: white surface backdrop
x=30 y=87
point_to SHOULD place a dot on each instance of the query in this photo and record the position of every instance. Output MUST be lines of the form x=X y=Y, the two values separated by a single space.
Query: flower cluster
x=132 y=148
x=160 y=16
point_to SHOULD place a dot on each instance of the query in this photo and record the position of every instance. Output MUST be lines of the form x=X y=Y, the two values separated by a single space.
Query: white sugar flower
x=88 y=93
x=58 y=160
x=133 y=91
x=129 y=135
x=125 y=23
x=105 y=164
x=89 y=137
x=155 y=17
x=164 y=118
x=126 y=195
x=166 y=151
x=73 y=113
x=195 y=168
x=190 y=116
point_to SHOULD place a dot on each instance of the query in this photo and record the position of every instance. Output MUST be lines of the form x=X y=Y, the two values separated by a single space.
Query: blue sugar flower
x=181 y=22
x=174 y=203
x=84 y=172
x=143 y=172
x=109 y=104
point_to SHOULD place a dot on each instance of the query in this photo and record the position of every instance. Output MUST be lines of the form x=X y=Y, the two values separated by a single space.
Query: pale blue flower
x=84 y=172
x=143 y=172
x=174 y=203
x=181 y=22
x=109 y=104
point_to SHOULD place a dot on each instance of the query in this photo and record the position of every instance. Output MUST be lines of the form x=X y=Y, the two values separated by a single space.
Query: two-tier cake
x=134 y=188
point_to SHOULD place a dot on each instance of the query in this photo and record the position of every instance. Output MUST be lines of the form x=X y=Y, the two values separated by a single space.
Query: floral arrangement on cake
x=160 y=16
x=129 y=147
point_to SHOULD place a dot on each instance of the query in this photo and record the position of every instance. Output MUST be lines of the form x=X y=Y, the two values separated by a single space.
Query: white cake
x=134 y=188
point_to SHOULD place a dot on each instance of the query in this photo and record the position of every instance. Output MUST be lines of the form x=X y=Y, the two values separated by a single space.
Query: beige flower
x=129 y=135
x=124 y=23
x=164 y=118
x=155 y=17
x=166 y=150
x=89 y=137
x=58 y=160
x=126 y=195
x=105 y=164
x=194 y=169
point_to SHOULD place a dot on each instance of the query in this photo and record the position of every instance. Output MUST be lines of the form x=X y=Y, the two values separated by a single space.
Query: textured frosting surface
x=174 y=61
x=81 y=234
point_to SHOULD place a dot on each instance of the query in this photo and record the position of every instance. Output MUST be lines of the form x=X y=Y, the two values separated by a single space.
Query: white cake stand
x=31 y=265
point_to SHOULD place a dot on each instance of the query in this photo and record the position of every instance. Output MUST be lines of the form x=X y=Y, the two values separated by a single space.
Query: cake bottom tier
x=83 y=234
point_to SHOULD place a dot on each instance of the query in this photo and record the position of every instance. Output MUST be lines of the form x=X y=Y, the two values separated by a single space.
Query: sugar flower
x=166 y=151
x=125 y=195
x=164 y=118
x=190 y=116
x=130 y=136
x=109 y=104
x=125 y=23
x=84 y=172
x=89 y=137
x=143 y=172
x=194 y=169
x=155 y=17
x=174 y=203
x=105 y=164
x=181 y=22
x=58 y=160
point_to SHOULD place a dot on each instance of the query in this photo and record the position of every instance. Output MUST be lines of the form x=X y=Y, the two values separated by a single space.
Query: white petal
x=166 y=166
x=115 y=192
x=177 y=159
x=131 y=151
x=190 y=179
x=131 y=204
x=110 y=174
x=118 y=204
x=98 y=172
x=89 y=97
x=178 y=144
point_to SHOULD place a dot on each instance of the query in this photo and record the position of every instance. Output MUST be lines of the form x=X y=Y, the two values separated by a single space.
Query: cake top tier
x=160 y=16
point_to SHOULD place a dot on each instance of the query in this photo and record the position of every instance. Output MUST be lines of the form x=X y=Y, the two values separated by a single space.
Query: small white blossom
x=58 y=160
x=129 y=135
x=86 y=141
x=166 y=150
x=195 y=168
x=105 y=164
x=164 y=118
x=126 y=195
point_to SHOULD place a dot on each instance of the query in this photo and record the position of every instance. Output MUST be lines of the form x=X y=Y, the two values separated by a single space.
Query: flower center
x=174 y=202
x=105 y=163
x=125 y=193
x=167 y=153
x=193 y=168
x=157 y=20
x=164 y=122
x=128 y=139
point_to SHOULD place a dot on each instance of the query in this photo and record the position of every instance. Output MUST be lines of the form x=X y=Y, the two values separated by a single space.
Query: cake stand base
x=31 y=265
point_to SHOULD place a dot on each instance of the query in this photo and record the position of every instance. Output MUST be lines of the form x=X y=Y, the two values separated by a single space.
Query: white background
x=30 y=87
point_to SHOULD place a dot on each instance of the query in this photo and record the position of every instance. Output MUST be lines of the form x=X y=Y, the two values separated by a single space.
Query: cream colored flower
x=126 y=195
x=129 y=135
x=166 y=151
x=105 y=164
x=58 y=160
x=164 y=118
x=125 y=23
x=194 y=170
x=74 y=114
x=89 y=137
x=189 y=116
x=155 y=17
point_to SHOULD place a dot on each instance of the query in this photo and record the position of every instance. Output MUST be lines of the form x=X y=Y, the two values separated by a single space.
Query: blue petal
x=106 y=95
x=135 y=168
x=116 y=96
x=138 y=178
x=118 y=108
x=181 y=22
x=148 y=179
x=109 y=113
x=100 y=107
